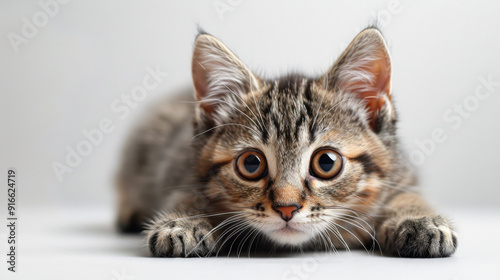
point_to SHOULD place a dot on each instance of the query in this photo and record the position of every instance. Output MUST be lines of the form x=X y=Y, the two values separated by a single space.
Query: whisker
x=228 y=230
x=357 y=213
x=326 y=237
x=372 y=236
x=339 y=236
x=255 y=234
x=372 y=228
x=239 y=231
x=234 y=224
x=240 y=247
x=219 y=226
x=221 y=125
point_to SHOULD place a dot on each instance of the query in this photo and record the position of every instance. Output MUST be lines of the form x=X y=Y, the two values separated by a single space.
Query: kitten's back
x=155 y=157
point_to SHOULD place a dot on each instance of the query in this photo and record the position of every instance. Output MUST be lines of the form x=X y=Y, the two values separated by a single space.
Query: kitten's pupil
x=252 y=163
x=327 y=161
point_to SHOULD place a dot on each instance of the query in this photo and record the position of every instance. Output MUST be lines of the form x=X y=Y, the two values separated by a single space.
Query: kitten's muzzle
x=287 y=212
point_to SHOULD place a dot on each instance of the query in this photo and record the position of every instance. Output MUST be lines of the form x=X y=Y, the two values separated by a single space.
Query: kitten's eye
x=251 y=165
x=326 y=164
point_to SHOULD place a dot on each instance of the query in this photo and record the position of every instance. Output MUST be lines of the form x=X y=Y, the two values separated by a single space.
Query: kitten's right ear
x=220 y=79
x=364 y=69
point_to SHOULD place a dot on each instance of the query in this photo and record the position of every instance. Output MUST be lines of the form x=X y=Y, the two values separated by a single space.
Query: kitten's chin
x=289 y=236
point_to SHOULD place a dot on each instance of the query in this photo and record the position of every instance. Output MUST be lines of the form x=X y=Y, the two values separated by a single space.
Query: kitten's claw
x=426 y=237
x=180 y=239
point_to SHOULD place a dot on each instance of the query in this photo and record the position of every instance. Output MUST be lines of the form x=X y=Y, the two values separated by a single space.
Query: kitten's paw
x=176 y=238
x=426 y=237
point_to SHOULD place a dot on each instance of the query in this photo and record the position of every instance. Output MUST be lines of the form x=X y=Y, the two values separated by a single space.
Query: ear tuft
x=201 y=31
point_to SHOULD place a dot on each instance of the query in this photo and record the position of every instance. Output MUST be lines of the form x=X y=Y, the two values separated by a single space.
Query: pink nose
x=286 y=212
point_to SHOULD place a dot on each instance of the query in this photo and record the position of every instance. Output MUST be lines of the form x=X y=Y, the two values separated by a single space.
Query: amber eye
x=326 y=164
x=251 y=165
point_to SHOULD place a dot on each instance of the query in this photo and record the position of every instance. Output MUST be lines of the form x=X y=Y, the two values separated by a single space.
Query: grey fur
x=179 y=171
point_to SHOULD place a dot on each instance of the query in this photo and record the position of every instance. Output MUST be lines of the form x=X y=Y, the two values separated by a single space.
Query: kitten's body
x=188 y=178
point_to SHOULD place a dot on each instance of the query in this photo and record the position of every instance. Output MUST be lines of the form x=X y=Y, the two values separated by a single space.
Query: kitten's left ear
x=220 y=79
x=364 y=69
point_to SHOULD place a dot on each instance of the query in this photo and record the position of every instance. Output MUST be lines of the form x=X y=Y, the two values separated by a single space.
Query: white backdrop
x=65 y=66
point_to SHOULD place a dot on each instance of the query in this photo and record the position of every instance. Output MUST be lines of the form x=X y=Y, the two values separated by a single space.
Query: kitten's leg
x=179 y=235
x=412 y=229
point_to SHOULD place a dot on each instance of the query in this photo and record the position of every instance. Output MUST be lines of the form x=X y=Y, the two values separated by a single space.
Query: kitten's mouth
x=287 y=229
x=289 y=235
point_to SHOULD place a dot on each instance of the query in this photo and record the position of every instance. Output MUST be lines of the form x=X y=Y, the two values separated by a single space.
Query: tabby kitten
x=298 y=162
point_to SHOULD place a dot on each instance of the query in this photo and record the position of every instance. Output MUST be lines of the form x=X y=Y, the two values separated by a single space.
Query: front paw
x=180 y=239
x=425 y=237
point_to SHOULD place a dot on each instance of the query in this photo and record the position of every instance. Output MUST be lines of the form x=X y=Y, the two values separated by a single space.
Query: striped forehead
x=292 y=113
x=287 y=111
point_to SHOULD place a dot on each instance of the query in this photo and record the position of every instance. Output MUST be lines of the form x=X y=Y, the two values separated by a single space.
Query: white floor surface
x=84 y=245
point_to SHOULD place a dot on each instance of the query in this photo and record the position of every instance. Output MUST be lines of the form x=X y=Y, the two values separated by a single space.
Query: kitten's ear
x=220 y=79
x=364 y=69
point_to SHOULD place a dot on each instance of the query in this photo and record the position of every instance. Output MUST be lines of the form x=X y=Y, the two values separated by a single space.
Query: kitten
x=300 y=162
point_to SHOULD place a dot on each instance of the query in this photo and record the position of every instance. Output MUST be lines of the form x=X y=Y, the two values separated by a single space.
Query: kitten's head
x=286 y=153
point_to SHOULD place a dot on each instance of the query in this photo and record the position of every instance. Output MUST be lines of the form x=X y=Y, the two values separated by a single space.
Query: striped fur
x=183 y=179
